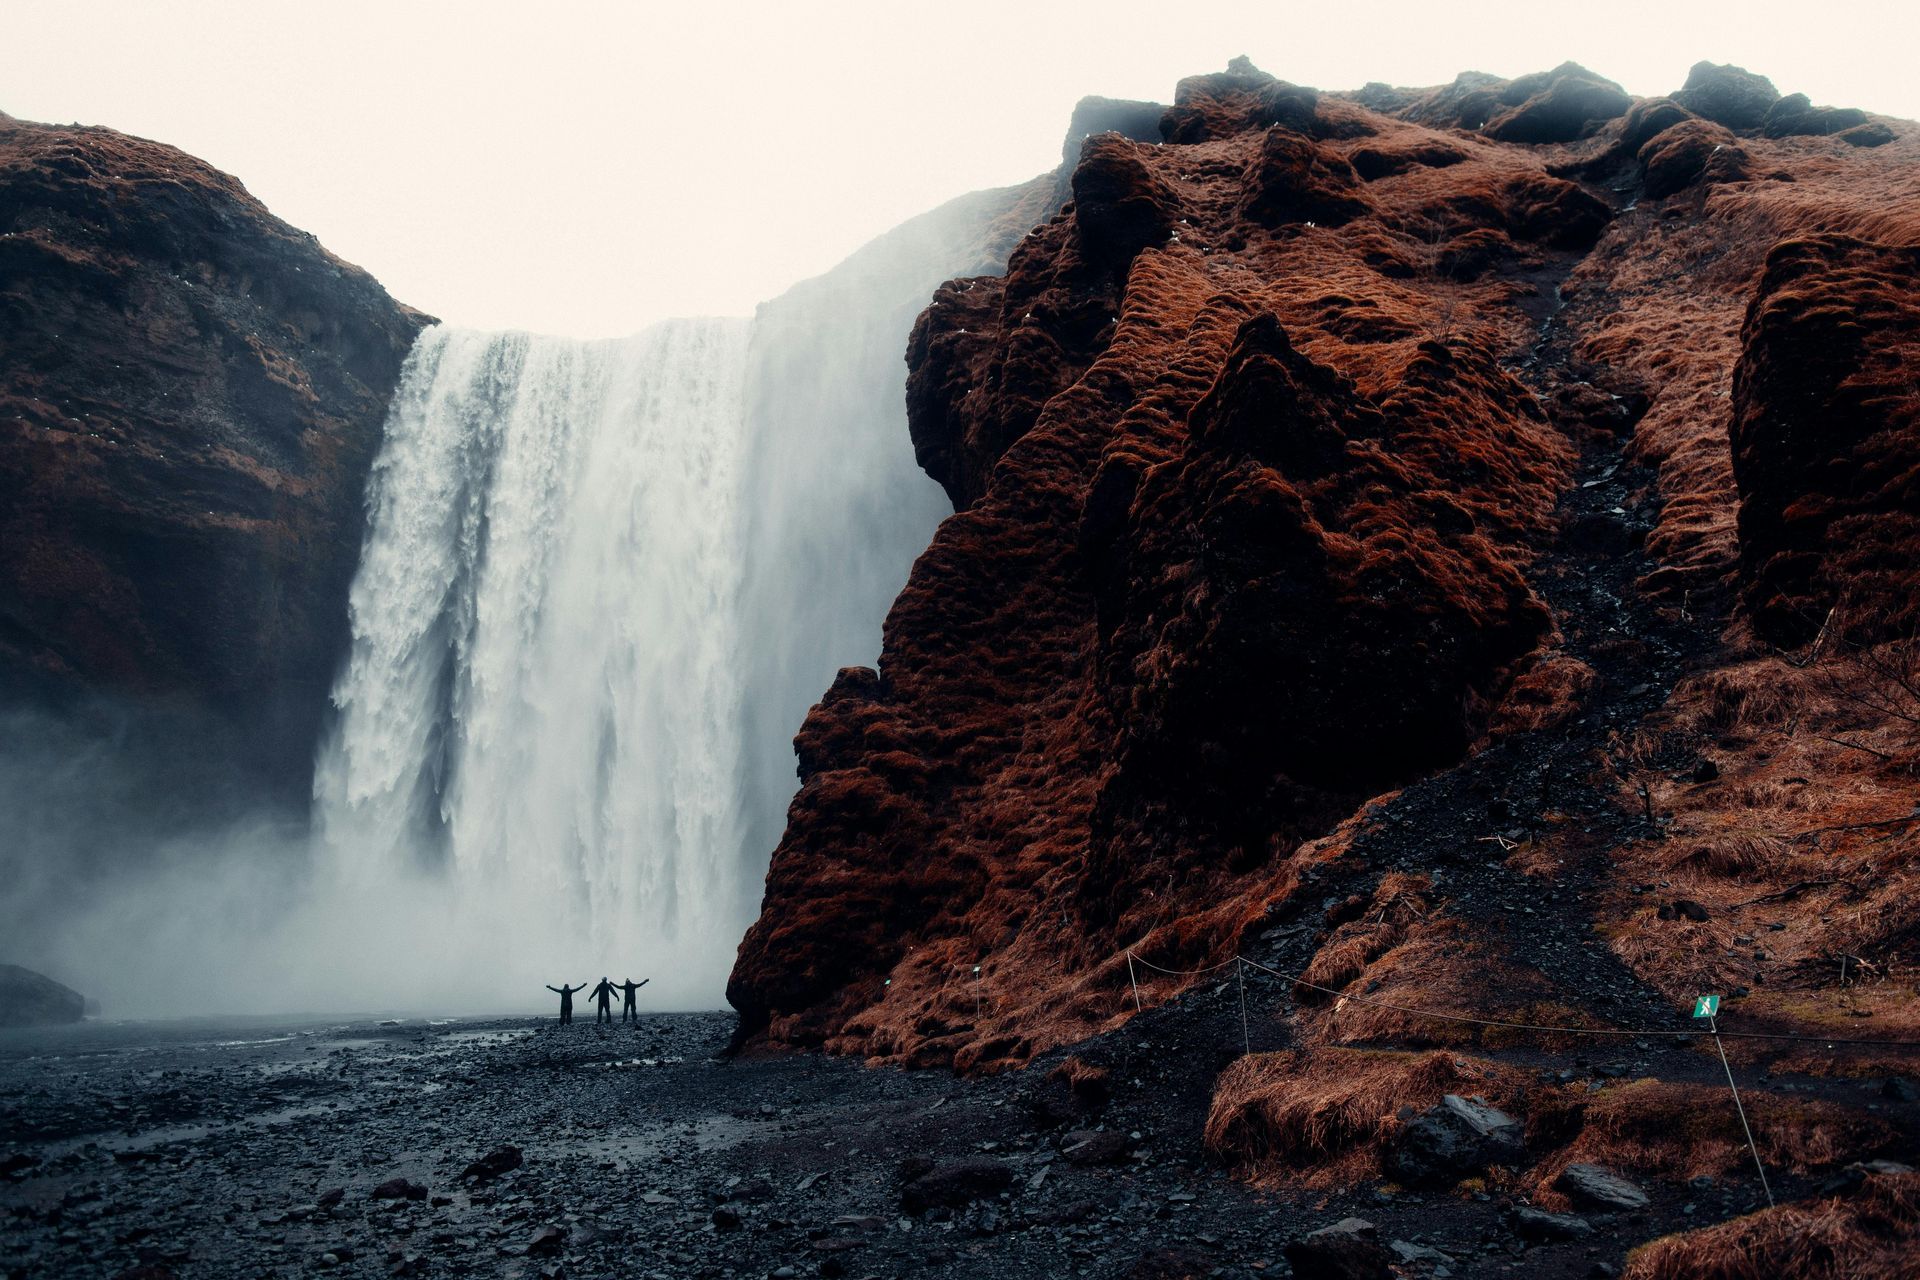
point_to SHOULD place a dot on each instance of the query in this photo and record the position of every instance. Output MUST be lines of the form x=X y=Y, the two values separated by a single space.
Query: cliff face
x=1374 y=514
x=191 y=393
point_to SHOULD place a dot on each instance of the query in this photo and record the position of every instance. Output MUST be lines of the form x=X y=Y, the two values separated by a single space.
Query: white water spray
x=541 y=704
x=601 y=585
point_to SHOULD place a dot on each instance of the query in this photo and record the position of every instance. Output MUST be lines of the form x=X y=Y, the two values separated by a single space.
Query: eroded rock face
x=1242 y=521
x=1826 y=438
x=191 y=393
x=1256 y=450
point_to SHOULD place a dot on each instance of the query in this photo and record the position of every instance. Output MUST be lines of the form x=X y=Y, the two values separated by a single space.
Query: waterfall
x=601 y=585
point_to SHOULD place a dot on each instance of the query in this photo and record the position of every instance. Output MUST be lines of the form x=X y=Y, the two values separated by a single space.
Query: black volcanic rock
x=191 y=394
x=1557 y=106
x=1728 y=95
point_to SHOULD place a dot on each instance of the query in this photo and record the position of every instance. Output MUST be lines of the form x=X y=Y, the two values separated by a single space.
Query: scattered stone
x=956 y=1182
x=502 y=1159
x=548 y=1240
x=726 y=1219
x=1540 y=1226
x=331 y=1197
x=1350 y=1249
x=399 y=1189
x=1407 y=1253
x=1093 y=1146
x=1599 y=1188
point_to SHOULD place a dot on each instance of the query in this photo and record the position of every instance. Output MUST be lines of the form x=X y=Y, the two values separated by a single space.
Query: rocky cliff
x=191 y=393
x=1376 y=513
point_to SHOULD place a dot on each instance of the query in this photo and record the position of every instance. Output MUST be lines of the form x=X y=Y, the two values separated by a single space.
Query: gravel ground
x=215 y=1149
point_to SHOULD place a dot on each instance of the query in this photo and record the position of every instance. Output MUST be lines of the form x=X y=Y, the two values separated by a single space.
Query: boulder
x=29 y=999
x=1728 y=95
x=1350 y=1249
x=1795 y=114
x=1568 y=106
x=1455 y=1138
x=1871 y=134
x=1599 y=1188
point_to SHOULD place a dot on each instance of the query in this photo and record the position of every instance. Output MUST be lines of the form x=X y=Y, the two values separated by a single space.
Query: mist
x=602 y=582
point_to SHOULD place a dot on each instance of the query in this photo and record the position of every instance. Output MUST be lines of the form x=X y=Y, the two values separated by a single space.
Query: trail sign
x=1706 y=1006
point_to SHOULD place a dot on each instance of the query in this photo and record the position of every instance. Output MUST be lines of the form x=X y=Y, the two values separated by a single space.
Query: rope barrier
x=1504 y=1024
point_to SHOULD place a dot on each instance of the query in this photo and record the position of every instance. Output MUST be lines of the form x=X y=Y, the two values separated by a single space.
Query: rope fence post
x=1246 y=1039
x=1713 y=1024
x=1133 y=981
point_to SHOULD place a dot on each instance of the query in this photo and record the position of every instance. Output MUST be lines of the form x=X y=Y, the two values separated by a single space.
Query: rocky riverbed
x=515 y=1147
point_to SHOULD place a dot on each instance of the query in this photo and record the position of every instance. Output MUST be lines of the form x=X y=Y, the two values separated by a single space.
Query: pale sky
x=587 y=168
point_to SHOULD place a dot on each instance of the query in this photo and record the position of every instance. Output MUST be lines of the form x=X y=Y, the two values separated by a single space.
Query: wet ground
x=214 y=1149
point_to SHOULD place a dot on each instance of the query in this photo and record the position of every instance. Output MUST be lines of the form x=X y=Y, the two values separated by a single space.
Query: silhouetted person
x=602 y=996
x=566 y=999
x=627 y=989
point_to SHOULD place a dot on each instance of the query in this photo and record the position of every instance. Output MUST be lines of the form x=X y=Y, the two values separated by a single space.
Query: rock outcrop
x=1372 y=513
x=191 y=393
x=29 y=999
x=1826 y=438
x=1245 y=503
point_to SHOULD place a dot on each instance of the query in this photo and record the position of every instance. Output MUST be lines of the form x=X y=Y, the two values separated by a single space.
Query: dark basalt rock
x=1557 y=106
x=1350 y=1249
x=1728 y=95
x=1540 y=1226
x=1454 y=1138
x=1599 y=1188
x=1796 y=114
x=1871 y=134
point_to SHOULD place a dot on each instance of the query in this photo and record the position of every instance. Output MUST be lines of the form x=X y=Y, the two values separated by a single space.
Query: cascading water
x=544 y=682
x=602 y=583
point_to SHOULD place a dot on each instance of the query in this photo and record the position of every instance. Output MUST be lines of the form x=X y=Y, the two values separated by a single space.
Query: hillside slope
x=1454 y=547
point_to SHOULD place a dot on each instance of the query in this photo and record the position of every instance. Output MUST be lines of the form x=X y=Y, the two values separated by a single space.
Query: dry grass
x=1800 y=850
x=1327 y=1117
x=1679 y=1131
x=1397 y=904
x=1871 y=1235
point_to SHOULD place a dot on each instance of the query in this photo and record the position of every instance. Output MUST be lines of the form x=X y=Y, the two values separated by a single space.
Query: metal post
x=1714 y=1025
x=1133 y=982
x=1246 y=1040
